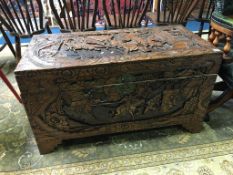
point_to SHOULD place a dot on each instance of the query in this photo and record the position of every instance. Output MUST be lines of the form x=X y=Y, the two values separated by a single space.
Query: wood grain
x=162 y=77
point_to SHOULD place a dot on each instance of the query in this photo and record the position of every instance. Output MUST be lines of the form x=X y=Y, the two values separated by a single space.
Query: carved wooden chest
x=85 y=84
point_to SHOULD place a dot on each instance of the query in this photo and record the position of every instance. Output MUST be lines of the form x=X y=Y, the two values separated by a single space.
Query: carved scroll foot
x=193 y=126
x=47 y=145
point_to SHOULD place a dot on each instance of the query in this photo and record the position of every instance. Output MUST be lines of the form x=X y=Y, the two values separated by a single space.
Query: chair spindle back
x=174 y=11
x=22 y=17
x=124 y=13
x=75 y=15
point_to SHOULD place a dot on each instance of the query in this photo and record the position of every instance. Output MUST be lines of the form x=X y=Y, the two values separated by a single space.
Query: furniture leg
x=47 y=144
x=18 y=48
x=2 y=47
x=227 y=47
x=193 y=125
x=216 y=39
x=146 y=23
x=201 y=28
x=220 y=86
x=7 y=82
x=48 y=28
x=207 y=118
x=212 y=35
x=8 y=42
x=224 y=97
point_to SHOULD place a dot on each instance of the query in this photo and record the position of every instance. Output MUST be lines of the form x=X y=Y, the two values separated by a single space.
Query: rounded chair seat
x=224 y=21
x=226 y=70
x=222 y=26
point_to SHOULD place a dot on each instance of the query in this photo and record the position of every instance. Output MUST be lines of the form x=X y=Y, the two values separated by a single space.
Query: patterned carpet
x=166 y=151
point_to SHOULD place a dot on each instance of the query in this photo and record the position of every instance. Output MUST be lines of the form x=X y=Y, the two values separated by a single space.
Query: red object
x=7 y=82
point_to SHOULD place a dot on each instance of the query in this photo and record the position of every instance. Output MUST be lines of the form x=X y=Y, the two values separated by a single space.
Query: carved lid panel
x=109 y=47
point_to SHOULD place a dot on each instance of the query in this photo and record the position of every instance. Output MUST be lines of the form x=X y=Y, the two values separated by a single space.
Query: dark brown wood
x=220 y=86
x=172 y=11
x=17 y=48
x=2 y=47
x=92 y=83
x=202 y=14
x=2 y=75
x=221 y=99
x=7 y=40
x=20 y=18
x=76 y=15
x=124 y=14
x=23 y=18
x=216 y=32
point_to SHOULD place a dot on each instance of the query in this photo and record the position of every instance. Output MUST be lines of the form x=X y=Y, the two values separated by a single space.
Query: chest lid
x=87 y=49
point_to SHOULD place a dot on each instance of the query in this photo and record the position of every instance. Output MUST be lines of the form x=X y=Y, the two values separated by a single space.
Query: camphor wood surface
x=86 y=84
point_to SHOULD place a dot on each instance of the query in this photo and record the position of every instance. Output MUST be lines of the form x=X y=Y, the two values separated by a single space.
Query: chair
x=222 y=25
x=23 y=18
x=2 y=75
x=7 y=40
x=3 y=46
x=172 y=12
x=124 y=13
x=75 y=15
x=9 y=85
x=202 y=13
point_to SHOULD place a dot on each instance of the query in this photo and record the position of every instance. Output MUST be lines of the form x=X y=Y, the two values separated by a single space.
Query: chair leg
x=212 y=35
x=2 y=47
x=220 y=86
x=200 y=31
x=18 y=48
x=7 y=82
x=224 y=97
x=146 y=23
x=216 y=39
x=227 y=47
x=48 y=28
x=8 y=42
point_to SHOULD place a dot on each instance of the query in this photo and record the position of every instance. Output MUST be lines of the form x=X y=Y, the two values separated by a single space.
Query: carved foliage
x=74 y=110
x=96 y=46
